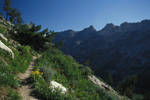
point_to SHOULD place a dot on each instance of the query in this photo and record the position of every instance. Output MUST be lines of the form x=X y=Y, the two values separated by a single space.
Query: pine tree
x=109 y=80
x=58 y=45
x=13 y=14
x=19 y=20
x=51 y=35
x=87 y=62
x=61 y=44
x=31 y=36
x=127 y=86
x=7 y=7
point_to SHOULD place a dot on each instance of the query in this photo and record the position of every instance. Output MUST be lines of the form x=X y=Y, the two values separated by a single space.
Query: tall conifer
x=7 y=7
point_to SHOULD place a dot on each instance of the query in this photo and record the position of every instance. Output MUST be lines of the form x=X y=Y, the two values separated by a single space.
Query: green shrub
x=13 y=95
x=100 y=91
x=2 y=30
x=65 y=63
x=43 y=92
x=22 y=59
x=8 y=79
x=85 y=70
x=4 y=68
x=48 y=73
x=34 y=53
x=5 y=55
x=111 y=96
x=60 y=78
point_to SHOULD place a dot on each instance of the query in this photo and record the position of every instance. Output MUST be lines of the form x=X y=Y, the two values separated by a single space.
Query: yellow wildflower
x=70 y=87
x=37 y=72
x=33 y=73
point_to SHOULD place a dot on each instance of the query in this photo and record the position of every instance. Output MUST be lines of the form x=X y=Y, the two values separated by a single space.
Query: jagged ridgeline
x=55 y=76
x=120 y=50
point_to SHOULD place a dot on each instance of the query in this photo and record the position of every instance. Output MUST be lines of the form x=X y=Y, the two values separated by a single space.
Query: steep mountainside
x=121 y=50
x=26 y=74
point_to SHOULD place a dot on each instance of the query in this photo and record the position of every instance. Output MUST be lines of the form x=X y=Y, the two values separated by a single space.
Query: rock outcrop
x=2 y=36
x=5 y=26
x=103 y=85
x=4 y=47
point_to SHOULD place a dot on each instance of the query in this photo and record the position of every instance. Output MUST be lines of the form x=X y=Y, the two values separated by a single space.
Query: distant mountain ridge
x=121 y=50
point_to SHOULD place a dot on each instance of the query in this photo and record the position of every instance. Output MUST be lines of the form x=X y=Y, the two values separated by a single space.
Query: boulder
x=2 y=36
x=54 y=85
x=4 y=47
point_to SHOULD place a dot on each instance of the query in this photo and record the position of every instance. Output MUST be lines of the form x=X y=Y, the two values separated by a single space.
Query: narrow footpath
x=26 y=90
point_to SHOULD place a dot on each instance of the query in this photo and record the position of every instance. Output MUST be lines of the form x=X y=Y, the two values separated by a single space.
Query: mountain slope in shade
x=121 y=50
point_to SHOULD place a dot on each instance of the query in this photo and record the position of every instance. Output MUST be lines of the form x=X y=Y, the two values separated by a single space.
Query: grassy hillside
x=53 y=65
x=9 y=67
x=64 y=69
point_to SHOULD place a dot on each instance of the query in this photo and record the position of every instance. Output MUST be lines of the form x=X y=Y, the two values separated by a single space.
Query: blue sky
x=59 y=15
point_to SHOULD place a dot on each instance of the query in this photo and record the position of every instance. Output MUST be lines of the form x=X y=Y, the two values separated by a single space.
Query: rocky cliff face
x=121 y=50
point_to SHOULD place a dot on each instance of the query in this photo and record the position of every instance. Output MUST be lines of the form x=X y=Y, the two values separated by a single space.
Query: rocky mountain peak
x=69 y=30
x=140 y=26
x=109 y=26
x=90 y=29
x=108 y=29
x=145 y=24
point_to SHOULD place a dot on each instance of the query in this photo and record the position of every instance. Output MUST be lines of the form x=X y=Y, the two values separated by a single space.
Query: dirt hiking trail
x=26 y=91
